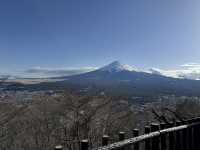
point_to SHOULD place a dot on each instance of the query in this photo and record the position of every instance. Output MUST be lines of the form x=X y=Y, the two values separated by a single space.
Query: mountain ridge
x=117 y=80
x=43 y=73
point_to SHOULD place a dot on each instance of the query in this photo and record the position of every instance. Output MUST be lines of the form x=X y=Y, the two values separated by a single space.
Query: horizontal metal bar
x=143 y=137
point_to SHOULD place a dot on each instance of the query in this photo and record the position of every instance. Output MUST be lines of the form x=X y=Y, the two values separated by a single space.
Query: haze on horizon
x=92 y=33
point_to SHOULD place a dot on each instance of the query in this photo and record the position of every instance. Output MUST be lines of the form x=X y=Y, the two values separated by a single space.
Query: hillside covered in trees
x=41 y=121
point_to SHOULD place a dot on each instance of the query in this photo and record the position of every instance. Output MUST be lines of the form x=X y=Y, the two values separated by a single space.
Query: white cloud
x=187 y=71
x=39 y=72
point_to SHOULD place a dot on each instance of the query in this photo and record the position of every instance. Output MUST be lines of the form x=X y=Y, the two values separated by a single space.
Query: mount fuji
x=123 y=79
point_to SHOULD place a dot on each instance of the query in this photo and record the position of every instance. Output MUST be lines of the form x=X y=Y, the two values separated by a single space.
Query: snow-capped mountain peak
x=116 y=66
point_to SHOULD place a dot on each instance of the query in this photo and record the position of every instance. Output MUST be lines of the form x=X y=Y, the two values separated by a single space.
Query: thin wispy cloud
x=55 y=72
x=191 y=65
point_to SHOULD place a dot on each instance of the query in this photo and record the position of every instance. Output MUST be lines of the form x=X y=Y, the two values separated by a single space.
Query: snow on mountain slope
x=116 y=66
x=167 y=73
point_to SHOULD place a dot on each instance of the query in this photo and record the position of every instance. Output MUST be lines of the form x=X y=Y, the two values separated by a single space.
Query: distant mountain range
x=186 y=71
x=119 y=79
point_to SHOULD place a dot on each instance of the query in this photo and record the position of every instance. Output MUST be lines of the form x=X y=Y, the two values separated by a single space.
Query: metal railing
x=180 y=135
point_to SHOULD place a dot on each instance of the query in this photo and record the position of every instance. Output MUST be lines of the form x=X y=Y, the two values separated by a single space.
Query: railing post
x=121 y=136
x=84 y=145
x=178 y=137
x=105 y=140
x=58 y=147
x=171 y=137
x=185 y=136
x=196 y=134
x=147 y=130
x=163 y=137
x=135 y=134
x=190 y=136
x=155 y=140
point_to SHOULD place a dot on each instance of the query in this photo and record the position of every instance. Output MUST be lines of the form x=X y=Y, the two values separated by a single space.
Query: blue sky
x=84 y=33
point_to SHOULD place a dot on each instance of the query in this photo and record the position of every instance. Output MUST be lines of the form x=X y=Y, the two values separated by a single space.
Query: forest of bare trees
x=66 y=119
